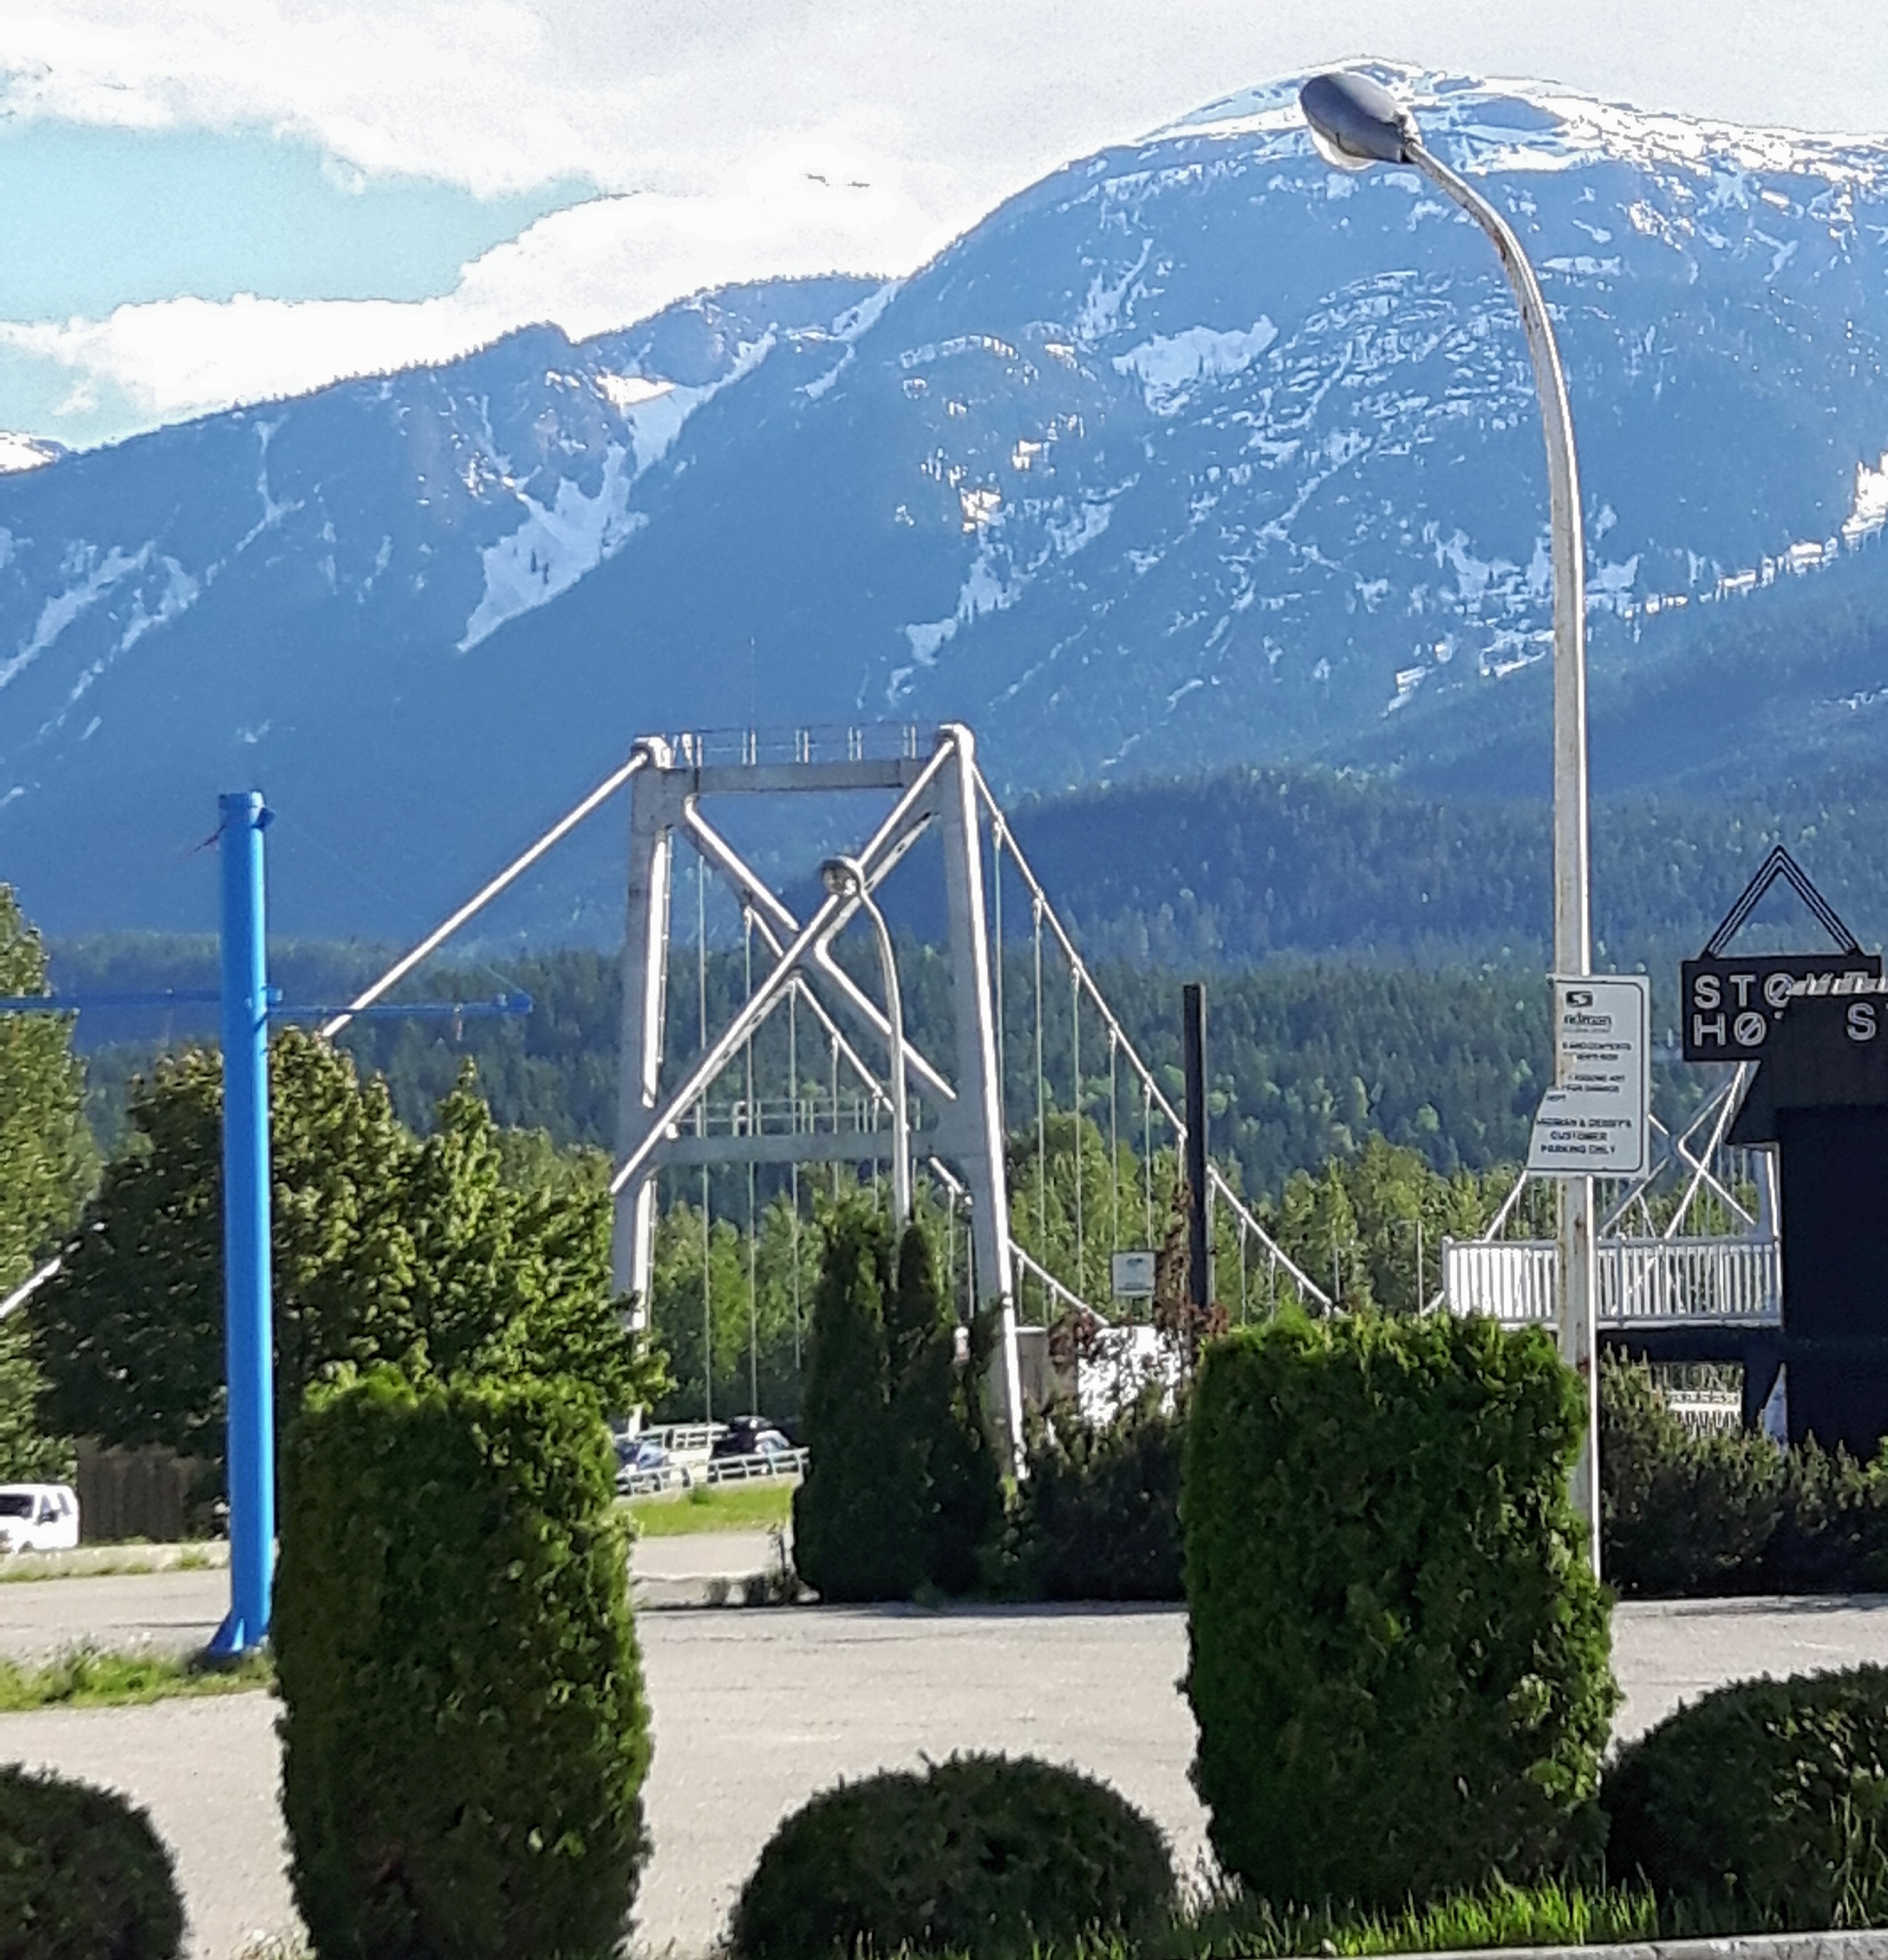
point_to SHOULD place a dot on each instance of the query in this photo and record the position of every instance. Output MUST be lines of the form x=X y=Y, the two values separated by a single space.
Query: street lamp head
x=841 y=877
x=1356 y=122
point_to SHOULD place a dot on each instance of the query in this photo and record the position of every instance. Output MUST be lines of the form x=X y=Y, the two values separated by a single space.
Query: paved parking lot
x=178 y=1612
x=756 y=1709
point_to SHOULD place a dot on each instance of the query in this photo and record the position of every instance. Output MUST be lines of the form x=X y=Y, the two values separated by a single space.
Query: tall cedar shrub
x=1763 y=1806
x=902 y=1486
x=1399 y=1661
x=465 y=1736
x=855 y=1527
x=989 y=1856
x=937 y=1411
x=83 y=1876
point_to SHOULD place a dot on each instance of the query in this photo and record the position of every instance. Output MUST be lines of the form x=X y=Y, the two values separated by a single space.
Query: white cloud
x=709 y=122
x=597 y=265
x=975 y=97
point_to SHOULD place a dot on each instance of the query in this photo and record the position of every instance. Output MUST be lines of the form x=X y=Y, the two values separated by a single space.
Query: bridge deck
x=1644 y=1284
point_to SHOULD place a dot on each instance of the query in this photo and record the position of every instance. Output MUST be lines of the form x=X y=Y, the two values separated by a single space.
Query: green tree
x=757 y=1313
x=1073 y=1204
x=47 y=1165
x=853 y=1536
x=938 y=1429
x=903 y=1488
x=384 y=1249
x=1318 y=1227
x=1365 y=1222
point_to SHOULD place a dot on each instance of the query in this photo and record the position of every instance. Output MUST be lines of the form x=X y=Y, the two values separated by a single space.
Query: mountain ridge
x=1192 y=453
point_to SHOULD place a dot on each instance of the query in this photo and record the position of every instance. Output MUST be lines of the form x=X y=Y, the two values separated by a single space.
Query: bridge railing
x=1642 y=1282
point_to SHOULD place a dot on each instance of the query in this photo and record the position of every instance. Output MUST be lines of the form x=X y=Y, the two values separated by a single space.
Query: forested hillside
x=1306 y=1061
x=1240 y=867
x=1375 y=954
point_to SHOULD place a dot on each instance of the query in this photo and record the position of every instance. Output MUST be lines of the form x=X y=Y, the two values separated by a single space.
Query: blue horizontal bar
x=456 y=1011
x=70 y=1003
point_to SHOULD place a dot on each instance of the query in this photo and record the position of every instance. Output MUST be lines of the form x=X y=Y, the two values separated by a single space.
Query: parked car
x=38 y=1517
x=643 y=1466
x=750 y=1435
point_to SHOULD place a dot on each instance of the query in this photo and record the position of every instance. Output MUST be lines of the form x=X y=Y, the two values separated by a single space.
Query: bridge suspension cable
x=1085 y=985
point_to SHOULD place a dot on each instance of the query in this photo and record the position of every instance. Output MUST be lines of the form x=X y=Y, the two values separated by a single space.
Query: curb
x=106 y=1561
x=1870 y=1943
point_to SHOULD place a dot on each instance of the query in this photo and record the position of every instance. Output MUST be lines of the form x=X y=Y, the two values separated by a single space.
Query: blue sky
x=92 y=219
x=204 y=202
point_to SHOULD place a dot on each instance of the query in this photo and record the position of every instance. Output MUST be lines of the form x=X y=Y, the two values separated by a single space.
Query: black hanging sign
x=1731 y=1004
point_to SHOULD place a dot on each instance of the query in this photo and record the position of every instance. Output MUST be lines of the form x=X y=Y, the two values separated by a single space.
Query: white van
x=38 y=1517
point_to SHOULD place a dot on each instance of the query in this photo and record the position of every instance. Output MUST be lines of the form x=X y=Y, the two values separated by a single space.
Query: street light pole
x=1355 y=123
x=845 y=878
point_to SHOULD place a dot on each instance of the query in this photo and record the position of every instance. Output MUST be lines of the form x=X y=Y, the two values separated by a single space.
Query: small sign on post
x=1131 y=1275
x=1593 y=1122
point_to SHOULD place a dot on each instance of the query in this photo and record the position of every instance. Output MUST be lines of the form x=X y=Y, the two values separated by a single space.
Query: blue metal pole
x=248 y=1316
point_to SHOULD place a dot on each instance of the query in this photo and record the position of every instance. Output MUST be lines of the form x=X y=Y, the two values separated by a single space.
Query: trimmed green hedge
x=1399 y=1661
x=1681 y=1515
x=465 y=1736
x=83 y=1876
x=1686 y=1515
x=1763 y=1805
x=986 y=1857
x=1098 y=1515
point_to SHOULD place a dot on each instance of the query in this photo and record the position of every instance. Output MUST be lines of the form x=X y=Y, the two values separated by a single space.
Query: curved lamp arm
x=1573 y=932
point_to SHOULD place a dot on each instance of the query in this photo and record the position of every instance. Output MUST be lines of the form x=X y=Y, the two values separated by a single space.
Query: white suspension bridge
x=1712 y=1265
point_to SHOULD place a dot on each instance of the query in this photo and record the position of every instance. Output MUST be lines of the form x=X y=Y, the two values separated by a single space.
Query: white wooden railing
x=1642 y=1282
x=1702 y=1410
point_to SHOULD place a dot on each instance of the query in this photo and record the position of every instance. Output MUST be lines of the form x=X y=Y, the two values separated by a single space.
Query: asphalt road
x=178 y=1612
x=756 y=1710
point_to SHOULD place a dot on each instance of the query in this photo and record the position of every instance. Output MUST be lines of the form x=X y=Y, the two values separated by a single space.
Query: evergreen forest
x=1377 y=1039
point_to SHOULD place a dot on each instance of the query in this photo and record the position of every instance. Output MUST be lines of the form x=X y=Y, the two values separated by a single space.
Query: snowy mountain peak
x=1194 y=452
x=1504 y=124
x=20 y=452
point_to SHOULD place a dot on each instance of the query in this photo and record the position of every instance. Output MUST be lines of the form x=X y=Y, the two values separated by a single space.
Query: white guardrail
x=683 y=1476
x=745 y=1469
x=1642 y=1282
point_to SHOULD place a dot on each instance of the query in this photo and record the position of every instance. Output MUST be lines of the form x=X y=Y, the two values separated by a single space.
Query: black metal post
x=1199 y=1267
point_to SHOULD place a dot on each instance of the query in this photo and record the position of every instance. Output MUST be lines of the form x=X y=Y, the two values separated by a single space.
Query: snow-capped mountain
x=1196 y=450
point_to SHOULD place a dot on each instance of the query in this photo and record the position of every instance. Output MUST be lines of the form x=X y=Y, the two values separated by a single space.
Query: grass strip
x=1228 y=1927
x=20 y=1567
x=88 y=1678
x=1545 y=1915
x=723 y=1507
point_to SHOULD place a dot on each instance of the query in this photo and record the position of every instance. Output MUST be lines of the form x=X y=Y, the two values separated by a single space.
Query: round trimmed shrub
x=464 y=1733
x=1764 y=1804
x=986 y=1856
x=83 y=1876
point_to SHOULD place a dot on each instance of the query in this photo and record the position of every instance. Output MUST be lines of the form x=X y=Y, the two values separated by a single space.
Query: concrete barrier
x=1868 y=1945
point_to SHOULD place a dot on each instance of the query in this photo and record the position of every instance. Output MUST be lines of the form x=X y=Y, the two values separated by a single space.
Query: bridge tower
x=960 y=1132
x=935 y=789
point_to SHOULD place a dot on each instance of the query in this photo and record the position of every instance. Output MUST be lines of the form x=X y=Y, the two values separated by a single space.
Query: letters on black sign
x=1731 y=1005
